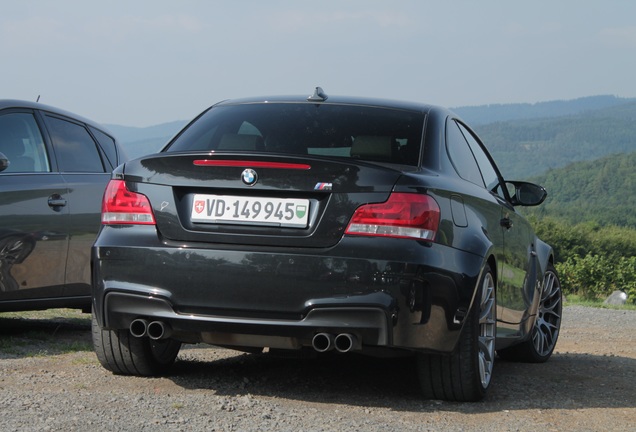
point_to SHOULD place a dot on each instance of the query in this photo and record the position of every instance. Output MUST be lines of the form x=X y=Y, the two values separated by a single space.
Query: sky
x=145 y=62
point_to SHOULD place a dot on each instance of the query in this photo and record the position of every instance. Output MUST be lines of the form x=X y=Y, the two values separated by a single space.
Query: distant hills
x=526 y=148
x=602 y=191
x=526 y=140
x=141 y=141
x=485 y=114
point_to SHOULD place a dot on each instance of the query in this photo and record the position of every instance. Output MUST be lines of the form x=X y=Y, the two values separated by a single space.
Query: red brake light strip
x=251 y=164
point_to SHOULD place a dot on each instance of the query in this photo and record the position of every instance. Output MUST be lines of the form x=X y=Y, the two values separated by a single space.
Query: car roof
x=339 y=100
x=15 y=103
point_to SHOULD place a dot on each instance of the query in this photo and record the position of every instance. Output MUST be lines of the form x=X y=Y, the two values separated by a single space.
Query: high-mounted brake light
x=403 y=215
x=121 y=206
x=251 y=164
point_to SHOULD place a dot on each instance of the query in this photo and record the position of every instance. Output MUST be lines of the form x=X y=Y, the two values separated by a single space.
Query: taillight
x=121 y=206
x=404 y=215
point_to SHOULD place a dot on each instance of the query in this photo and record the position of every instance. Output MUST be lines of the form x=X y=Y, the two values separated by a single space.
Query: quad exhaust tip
x=157 y=330
x=343 y=342
x=323 y=342
x=139 y=328
x=154 y=330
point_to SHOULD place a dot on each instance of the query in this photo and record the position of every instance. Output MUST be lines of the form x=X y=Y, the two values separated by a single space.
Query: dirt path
x=50 y=380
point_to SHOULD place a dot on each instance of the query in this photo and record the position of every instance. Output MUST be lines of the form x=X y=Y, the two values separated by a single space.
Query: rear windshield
x=347 y=131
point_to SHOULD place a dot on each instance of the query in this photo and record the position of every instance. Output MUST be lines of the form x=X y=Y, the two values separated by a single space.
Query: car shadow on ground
x=566 y=381
x=22 y=337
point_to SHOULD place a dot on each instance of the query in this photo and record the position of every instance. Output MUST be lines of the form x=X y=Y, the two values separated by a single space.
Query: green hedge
x=592 y=261
x=595 y=276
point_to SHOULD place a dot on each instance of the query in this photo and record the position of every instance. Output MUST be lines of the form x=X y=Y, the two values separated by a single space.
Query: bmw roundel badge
x=249 y=177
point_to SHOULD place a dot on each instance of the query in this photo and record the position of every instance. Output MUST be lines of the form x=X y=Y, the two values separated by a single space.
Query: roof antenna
x=318 y=96
x=38 y=99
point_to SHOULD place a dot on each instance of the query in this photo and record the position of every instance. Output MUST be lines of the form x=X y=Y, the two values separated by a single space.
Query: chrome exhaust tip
x=139 y=328
x=158 y=330
x=345 y=342
x=322 y=342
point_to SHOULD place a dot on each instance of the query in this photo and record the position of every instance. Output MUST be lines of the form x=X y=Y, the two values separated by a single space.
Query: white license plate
x=284 y=212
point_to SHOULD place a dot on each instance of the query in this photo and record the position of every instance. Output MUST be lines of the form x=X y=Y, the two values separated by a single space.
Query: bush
x=570 y=241
x=626 y=276
x=595 y=277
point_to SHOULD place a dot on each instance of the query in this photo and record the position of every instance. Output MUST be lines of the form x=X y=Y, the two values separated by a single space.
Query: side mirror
x=4 y=162
x=526 y=194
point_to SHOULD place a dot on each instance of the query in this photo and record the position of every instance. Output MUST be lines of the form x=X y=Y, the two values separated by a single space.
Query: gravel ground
x=51 y=380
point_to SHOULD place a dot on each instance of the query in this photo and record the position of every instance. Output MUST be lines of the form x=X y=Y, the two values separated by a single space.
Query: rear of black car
x=284 y=224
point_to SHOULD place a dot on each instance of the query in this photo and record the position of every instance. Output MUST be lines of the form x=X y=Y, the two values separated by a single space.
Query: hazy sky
x=144 y=62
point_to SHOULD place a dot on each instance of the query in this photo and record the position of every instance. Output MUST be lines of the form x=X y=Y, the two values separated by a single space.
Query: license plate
x=283 y=212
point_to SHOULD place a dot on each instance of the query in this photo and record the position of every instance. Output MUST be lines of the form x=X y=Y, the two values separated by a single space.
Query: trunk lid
x=213 y=188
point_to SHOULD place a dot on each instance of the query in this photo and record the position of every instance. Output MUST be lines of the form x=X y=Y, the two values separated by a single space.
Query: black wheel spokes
x=546 y=327
x=487 y=326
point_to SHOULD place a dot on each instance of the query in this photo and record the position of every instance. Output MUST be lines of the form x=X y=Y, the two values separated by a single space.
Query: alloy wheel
x=548 y=322
x=487 y=330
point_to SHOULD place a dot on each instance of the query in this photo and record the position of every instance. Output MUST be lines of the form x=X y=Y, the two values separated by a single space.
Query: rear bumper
x=370 y=325
x=416 y=300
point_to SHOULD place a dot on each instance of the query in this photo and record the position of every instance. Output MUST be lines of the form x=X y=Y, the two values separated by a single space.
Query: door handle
x=56 y=200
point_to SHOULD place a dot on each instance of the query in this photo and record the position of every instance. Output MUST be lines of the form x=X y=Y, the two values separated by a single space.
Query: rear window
x=346 y=131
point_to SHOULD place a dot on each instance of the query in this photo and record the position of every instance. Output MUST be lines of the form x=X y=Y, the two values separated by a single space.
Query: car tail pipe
x=343 y=342
x=139 y=327
x=159 y=330
x=323 y=342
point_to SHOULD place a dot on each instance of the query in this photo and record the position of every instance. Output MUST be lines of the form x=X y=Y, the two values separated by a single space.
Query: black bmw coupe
x=324 y=224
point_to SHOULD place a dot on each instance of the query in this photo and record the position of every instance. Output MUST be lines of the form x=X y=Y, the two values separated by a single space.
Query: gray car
x=54 y=167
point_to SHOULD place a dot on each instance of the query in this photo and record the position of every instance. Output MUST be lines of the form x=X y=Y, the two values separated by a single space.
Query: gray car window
x=107 y=144
x=75 y=149
x=21 y=142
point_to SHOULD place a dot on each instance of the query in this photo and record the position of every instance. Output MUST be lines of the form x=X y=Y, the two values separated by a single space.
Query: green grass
x=39 y=345
x=43 y=333
x=71 y=315
x=575 y=300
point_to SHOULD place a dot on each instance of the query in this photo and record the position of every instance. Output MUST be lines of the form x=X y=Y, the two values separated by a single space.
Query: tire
x=465 y=375
x=123 y=354
x=545 y=331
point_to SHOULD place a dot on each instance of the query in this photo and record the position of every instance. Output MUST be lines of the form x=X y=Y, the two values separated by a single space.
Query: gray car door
x=86 y=171
x=33 y=213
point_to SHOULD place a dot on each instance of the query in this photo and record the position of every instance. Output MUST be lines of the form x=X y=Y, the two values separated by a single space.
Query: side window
x=488 y=172
x=107 y=144
x=22 y=143
x=460 y=154
x=75 y=149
